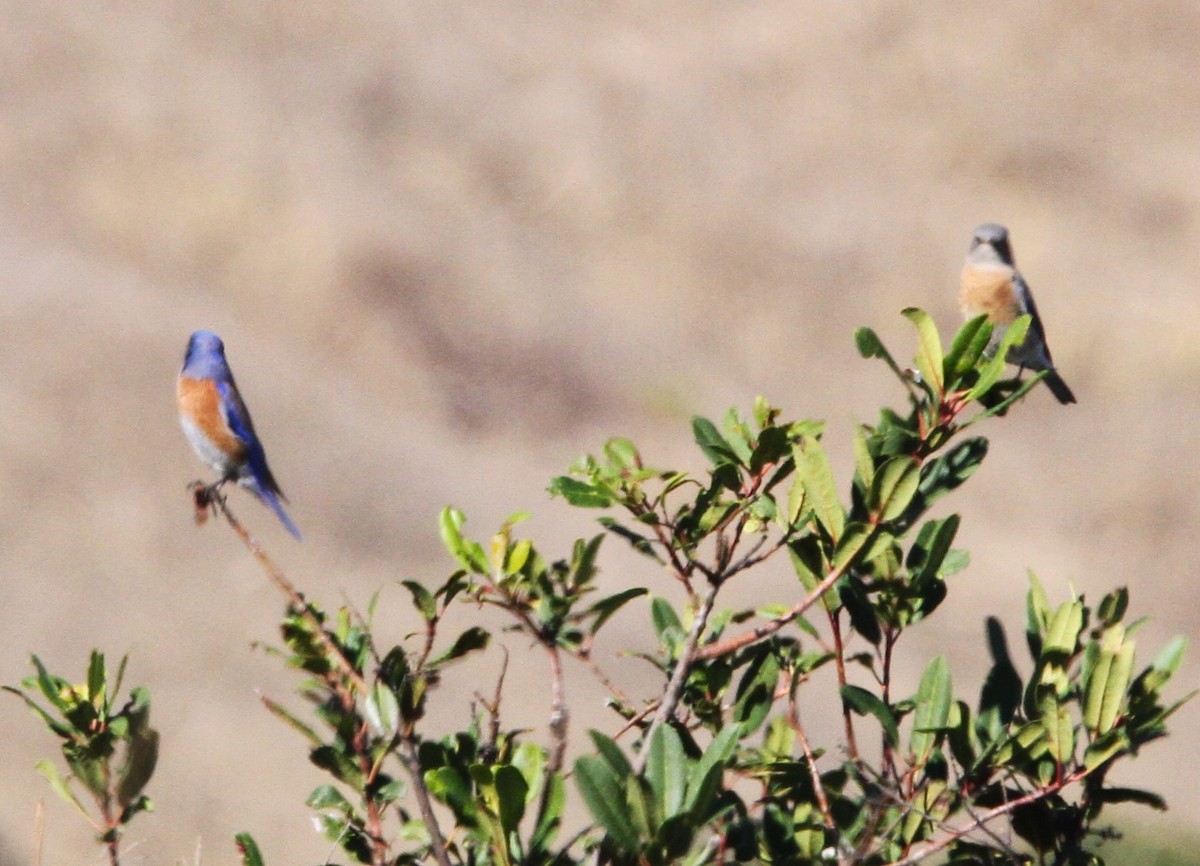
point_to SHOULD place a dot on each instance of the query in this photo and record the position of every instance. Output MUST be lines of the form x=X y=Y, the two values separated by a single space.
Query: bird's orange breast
x=990 y=291
x=201 y=404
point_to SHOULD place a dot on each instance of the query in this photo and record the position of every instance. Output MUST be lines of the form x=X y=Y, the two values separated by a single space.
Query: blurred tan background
x=452 y=246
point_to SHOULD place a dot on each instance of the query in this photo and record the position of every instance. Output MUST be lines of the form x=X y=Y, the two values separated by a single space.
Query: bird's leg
x=205 y=497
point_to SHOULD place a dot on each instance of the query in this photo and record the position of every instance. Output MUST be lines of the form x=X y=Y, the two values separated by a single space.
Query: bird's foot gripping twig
x=207 y=498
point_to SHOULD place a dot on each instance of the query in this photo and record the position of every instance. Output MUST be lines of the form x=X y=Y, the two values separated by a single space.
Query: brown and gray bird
x=992 y=284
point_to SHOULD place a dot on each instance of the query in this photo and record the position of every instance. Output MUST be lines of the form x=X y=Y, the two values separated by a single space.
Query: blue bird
x=217 y=423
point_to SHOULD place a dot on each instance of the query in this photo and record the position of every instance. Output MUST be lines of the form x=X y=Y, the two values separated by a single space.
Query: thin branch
x=674 y=690
x=753 y=557
x=818 y=787
x=492 y=735
x=635 y=720
x=722 y=648
x=839 y=660
x=989 y=816
x=560 y=714
x=277 y=577
x=112 y=824
x=889 y=643
x=413 y=763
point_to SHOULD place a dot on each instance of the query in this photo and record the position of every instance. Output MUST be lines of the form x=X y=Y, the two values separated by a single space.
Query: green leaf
x=739 y=437
x=713 y=444
x=667 y=770
x=779 y=740
x=474 y=638
x=945 y=473
x=292 y=721
x=870 y=346
x=511 y=789
x=854 y=598
x=1037 y=616
x=1113 y=606
x=468 y=553
x=864 y=463
x=756 y=691
x=705 y=777
x=666 y=624
x=248 y=850
x=929 y=359
x=855 y=542
x=893 y=488
x=866 y=704
x=54 y=689
x=1165 y=663
x=60 y=785
x=622 y=454
x=549 y=816
x=932 y=714
x=606 y=607
x=1060 y=733
x=807 y=560
x=1002 y=406
x=338 y=762
x=382 y=711
x=517 y=555
x=449 y=786
x=968 y=347
x=638 y=542
x=422 y=599
x=796 y=502
x=772 y=446
x=95 y=682
x=114 y=684
x=1104 y=748
x=328 y=797
x=990 y=372
x=59 y=729
x=964 y=744
x=580 y=493
x=1119 y=677
x=640 y=808
x=925 y=557
x=814 y=471
x=1062 y=636
x=604 y=795
x=611 y=753
x=1098 y=658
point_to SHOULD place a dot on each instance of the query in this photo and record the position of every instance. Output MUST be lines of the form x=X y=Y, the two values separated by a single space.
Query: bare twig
x=492 y=735
x=839 y=661
x=722 y=648
x=277 y=577
x=560 y=713
x=885 y=686
x=818 y=787
x=674 y=689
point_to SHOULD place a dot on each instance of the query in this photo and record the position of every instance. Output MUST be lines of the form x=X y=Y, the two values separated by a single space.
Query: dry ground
x=453 y=245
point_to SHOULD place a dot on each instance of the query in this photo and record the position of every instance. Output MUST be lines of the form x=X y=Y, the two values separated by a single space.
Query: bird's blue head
x=205 y=357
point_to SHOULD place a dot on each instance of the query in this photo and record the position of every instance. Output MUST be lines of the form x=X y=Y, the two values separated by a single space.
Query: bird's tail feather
x=271 y=500
x=1059 y=388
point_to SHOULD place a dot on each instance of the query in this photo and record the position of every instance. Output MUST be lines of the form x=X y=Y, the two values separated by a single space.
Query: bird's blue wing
x=260 y=481
x=237 y=416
